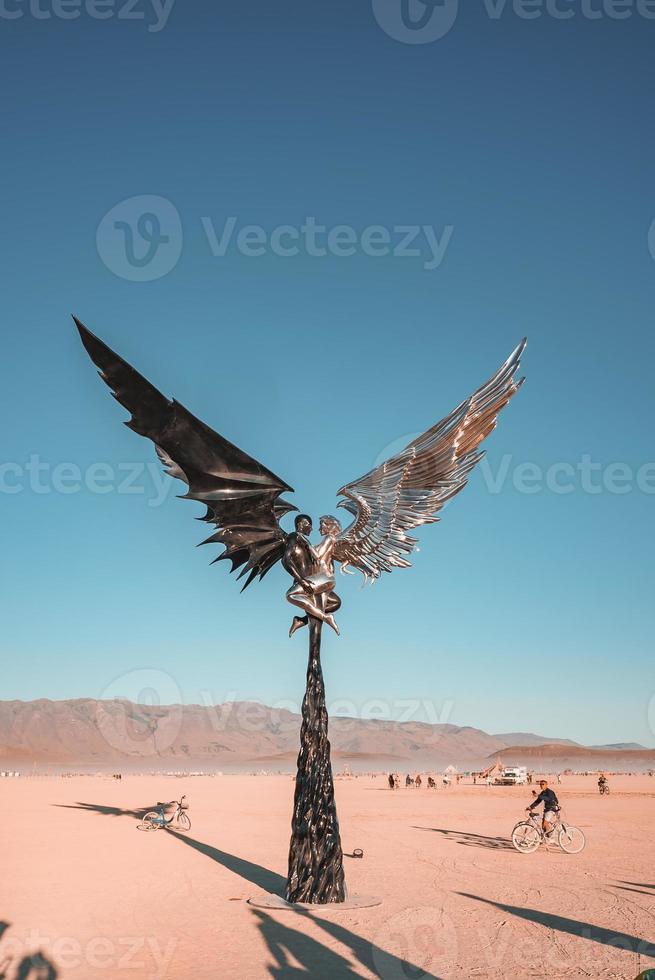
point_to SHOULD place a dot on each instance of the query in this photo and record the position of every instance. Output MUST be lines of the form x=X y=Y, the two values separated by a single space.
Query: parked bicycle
x=528 y=834
x=156 y=819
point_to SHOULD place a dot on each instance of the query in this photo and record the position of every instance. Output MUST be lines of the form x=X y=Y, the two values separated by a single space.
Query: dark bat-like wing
x=242 y=497
x=409 y=489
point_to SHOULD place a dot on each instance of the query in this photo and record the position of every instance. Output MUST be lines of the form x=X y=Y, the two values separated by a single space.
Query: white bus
x=513 y=776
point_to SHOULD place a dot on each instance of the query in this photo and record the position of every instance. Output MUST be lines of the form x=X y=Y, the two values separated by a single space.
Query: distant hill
x=555 y=757
x=620 y=745
x=525 y=738
x=85 y=733
x=238 y=735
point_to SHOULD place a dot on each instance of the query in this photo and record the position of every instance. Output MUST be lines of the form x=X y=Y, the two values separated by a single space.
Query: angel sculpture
x=244 y=501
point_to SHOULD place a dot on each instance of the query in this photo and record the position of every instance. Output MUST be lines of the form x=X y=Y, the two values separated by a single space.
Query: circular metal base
x=271 y=901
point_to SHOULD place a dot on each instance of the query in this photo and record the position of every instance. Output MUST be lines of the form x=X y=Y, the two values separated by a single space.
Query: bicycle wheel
x=151 y=821
x=183 y=821
x=526 y=838
x=571 y=839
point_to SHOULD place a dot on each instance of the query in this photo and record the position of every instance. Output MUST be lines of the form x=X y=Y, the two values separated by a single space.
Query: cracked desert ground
x=94 y=897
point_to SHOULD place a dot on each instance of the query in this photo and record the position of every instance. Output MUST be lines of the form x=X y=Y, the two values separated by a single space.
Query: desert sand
x=97 y=898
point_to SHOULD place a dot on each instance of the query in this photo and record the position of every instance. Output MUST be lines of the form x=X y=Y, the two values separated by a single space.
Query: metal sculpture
x=244 y=503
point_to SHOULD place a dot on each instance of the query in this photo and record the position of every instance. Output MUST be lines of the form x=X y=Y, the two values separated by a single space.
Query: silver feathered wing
x=412 y=487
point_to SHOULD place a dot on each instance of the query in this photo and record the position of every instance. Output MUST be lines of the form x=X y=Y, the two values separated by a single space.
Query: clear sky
x=518 y=155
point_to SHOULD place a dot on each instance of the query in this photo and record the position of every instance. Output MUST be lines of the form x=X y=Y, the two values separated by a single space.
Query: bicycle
x=604 y=789
x=528 y=834
x=156 y=819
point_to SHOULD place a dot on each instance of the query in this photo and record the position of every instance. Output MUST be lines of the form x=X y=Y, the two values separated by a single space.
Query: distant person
x=602 y=782
x=559 y=779
x=475 y=780
x=392 y=783
x=408 y=780
x=551 y=807
x=431 y=783
x=418 y=782
x=396 y=780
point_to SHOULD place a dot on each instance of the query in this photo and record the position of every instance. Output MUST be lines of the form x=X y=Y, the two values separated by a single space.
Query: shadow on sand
x=255 y=873
x=574 y=927
x=281 y=939
x=106 y=811
x=472 y=840
x=639 y=888
x=317 y=960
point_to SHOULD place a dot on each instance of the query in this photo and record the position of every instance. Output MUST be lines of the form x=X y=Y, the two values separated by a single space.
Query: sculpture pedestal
x=277 y=903
x=315 y=857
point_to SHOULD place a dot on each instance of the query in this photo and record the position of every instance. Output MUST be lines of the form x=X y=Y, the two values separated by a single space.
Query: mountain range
x=86 y=733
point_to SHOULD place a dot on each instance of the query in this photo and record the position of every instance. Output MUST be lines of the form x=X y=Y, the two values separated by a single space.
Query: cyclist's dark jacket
x=548 y=798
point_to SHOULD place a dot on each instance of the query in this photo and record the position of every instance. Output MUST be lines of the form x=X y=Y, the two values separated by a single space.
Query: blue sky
x=521 y=153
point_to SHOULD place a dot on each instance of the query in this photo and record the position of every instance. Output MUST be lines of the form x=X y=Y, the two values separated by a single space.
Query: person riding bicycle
x=551 y=807
x=602 y=782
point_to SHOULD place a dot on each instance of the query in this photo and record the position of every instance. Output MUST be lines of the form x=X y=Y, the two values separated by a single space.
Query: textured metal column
x=315 y=856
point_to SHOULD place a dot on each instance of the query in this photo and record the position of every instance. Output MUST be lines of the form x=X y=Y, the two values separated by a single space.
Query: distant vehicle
x=513 y=776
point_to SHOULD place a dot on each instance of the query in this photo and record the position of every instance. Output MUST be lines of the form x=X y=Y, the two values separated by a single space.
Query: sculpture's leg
x=315 y=855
